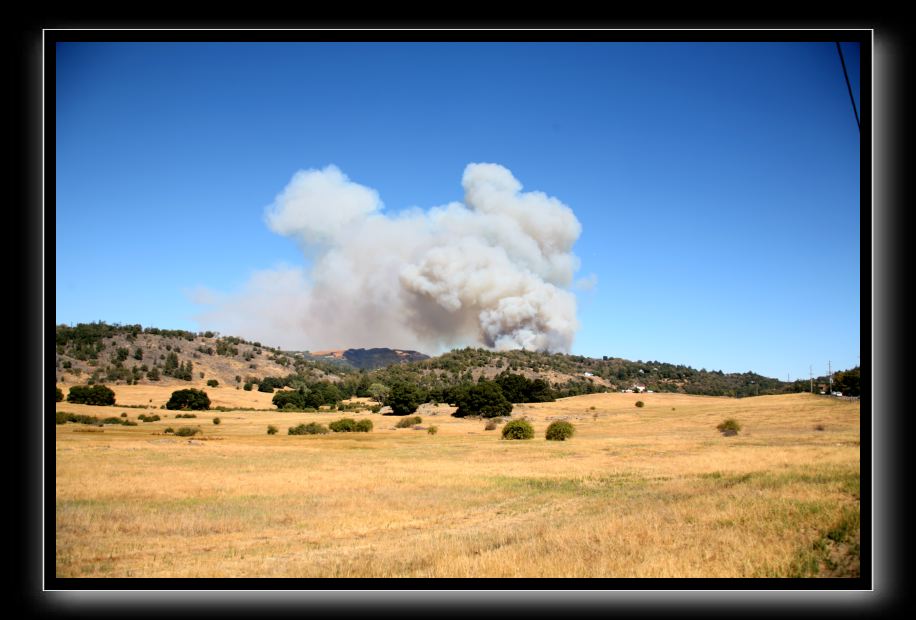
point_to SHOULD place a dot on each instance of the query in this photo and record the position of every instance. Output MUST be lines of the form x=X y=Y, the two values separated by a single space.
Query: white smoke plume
x=495 y=271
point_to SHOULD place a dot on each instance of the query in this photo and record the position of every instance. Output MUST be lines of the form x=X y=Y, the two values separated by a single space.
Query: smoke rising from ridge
x=494 y=271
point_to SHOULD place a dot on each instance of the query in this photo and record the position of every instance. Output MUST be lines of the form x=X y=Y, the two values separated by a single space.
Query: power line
x=846 y=75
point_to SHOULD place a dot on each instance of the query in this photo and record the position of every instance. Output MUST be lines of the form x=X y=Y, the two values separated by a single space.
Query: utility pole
x=830 y=377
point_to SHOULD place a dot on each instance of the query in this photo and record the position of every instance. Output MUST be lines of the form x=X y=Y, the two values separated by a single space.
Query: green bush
x=91 y=395
x=375 y=408
x=148 y=418
x=216 y=420
x=560 y=430
x=169 y=431
x=408 y=421
x=190 y=398
x=343 y=425
x=212 y=382
x=639 y=403
x=312 y=428
x=518 y=429
x=187 y=431
x=729 y=427
x=62 y=417
x=363 y=426
x=247 y=387
x=432 y=430
x=59 y=394
x=272 y=430
x=186 y=415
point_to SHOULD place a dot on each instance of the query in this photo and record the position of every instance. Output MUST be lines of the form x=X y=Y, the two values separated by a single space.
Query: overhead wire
x=846 y=75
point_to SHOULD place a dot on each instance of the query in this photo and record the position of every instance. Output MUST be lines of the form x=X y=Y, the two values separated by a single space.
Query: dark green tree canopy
x=403 y=398
x=485 y=399
x=190 y=398
x=91 y=395
x=520 y=389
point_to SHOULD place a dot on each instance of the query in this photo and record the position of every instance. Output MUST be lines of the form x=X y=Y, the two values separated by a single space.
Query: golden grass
x=637 y=492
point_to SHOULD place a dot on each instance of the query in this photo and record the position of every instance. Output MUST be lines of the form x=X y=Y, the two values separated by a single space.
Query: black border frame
x=466 y=592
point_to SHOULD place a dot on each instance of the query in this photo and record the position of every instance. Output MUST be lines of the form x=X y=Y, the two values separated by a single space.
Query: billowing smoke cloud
x=494 y=271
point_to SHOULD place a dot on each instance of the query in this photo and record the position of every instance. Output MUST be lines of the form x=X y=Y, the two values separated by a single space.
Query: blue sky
x=717 y=185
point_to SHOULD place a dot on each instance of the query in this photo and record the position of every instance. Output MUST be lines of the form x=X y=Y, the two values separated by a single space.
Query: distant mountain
x=369 y=359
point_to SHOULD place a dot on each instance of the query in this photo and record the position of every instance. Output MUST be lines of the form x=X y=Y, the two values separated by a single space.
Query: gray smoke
x=495 y=271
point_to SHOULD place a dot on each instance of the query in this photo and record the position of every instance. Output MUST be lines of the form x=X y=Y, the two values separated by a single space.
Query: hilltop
x=366 y=359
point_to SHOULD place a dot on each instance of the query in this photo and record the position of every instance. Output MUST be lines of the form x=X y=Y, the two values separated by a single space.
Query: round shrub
x=639 y=403
x=271 y=429
x=212 y=382
x=343 y=425
x=59 y=394
x=561 y=430
x=169 y=430
x=408 y=421
x=729 y=427
x=363 y=426
x=518 y=429
x=216 y=420
x=189 y=399
x=432 y=430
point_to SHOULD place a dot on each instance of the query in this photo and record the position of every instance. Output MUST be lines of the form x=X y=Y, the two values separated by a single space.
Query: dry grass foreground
x=655 y=491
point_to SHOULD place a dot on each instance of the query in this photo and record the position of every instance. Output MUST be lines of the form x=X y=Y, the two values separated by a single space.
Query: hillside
x=134 y=355
x=102 y=353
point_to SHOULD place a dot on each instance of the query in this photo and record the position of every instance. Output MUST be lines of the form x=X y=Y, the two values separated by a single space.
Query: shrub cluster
x=408 y=421
x=349 y=425
x=118 y=420
x=212 y=382
x=560 y=430
x=518 y=429
x=149 y=418
x=187 y=431
x=186 y=415
x=272 y=430
x=62 y=417
x=91 y=395
x=312 y=428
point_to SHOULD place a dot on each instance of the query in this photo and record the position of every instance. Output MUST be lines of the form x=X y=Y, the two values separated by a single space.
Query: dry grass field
x=655 y=491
